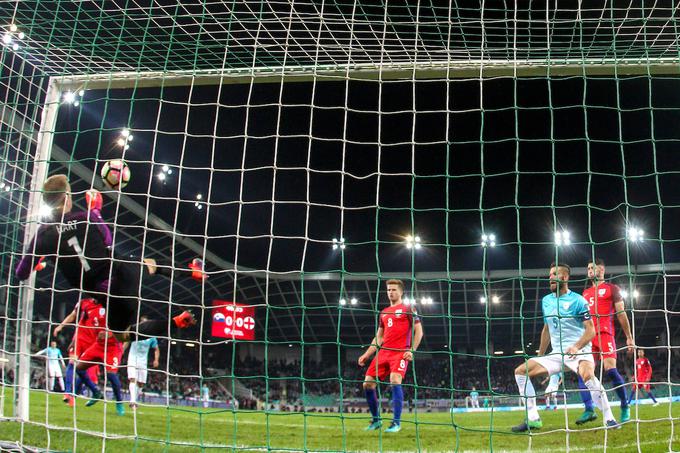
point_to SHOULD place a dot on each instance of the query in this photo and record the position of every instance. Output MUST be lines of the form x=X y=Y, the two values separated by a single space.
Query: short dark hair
x=596 y=261
x=563 y=265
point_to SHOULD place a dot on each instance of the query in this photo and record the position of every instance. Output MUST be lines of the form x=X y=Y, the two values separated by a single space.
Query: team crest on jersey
x=397 y=312
x=102 y=311
x=565 y=306
x=602 y=291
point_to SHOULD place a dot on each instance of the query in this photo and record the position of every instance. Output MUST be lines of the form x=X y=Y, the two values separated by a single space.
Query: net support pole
x=25 y=315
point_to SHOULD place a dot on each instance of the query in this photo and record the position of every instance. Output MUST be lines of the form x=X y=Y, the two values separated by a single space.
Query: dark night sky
x=582 y=154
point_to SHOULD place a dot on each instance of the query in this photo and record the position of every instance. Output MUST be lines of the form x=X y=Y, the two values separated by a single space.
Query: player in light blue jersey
x=551 y=390
x=205 y=395
x=54 y=363
x=137 y=365
x=568 y=329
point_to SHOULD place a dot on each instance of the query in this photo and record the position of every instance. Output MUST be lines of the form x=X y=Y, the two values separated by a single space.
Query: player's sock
x=526 y=389
x=115 y=385
x=51 y=387
x=398 y=401
x=133 y=392
x=617 y=380
x=85 y=379
x=649 y=394
x=600 y=398
x=61 y=384
x=372 y=400
x=68 y=386
x=585 y=394
x=78 y=389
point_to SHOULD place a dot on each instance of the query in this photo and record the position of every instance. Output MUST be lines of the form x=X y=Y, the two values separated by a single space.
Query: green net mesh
x=309 y=151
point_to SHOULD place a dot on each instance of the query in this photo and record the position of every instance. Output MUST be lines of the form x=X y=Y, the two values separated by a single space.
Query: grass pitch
x=57 y=427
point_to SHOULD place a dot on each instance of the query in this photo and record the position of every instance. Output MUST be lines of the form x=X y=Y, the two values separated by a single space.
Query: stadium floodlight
x=624 y=294
x=45 y=211
x=7 y=38
x=22 y=35
x=13 y=28
x=343 y=302
x=562 y=238
x=339 y=243
x=482 y=299
x=161 y=176
x=519 y=352
x=15 y=47
x=190 y=345
x=199 y=196
x=426 y=301
x=636 y=294
x=488 y=240
x=495 y=299
x=69 y=97
x=125 y=139
x=165 y=168
x=498 y=353
x=413 y=242
x=353 y=301
x=636 y=234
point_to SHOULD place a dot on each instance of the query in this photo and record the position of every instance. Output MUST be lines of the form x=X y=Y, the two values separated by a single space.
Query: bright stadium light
x=13 y=28
x=353 y=301
x=190 y=345
x=69 y=97
x=161 y=176
x=482 y=300
x=624 y=294
x=22 y=35
x=7 y=38
x=343 y=302
x=519 y=352
x=125 y=139
x=413 y=242
x=45 y=211
x=495 y=299
x=562 y=238
x=165 y=168
x=636 y=234
x=488 y=240
x=339 y=244
x=426 y=301
x=498 y=352
x=15 y=47
x=199 y=196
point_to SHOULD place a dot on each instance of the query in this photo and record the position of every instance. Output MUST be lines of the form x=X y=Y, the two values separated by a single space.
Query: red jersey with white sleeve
x=397 y=322
x=92 y=319
x=644 y=369
x=601 y=300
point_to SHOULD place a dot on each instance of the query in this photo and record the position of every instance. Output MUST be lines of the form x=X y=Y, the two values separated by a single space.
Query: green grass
x=191 y=429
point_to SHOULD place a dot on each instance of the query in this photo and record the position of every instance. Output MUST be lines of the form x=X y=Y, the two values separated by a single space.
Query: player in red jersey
x=398 y=336
x=86 y=312
x=605 y=303
x=95 y=345
x=643 y=372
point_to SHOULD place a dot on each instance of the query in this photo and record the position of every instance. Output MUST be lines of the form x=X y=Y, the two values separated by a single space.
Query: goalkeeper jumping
x=80 y=245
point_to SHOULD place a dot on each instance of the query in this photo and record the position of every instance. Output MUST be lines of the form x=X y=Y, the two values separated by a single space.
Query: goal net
x=302 y=154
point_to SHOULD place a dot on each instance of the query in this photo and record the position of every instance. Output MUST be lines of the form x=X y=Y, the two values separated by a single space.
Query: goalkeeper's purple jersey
x=79 y=245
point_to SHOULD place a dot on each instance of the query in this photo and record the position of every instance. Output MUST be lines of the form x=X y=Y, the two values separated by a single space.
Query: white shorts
x=551 y=389
x=137 y=373
x=54 y=371
x=555 y=363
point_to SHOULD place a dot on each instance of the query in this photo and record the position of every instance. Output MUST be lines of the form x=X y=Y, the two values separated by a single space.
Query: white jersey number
x=389 y=322
x=73 y=242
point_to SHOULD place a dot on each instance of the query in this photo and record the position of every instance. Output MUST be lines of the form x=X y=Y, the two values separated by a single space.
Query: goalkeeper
x=80 y=243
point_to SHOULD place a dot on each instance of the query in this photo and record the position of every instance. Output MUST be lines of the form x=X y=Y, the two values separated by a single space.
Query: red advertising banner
x=235 y=321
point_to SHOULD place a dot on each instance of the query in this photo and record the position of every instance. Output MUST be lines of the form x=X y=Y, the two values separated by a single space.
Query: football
x=115 y=174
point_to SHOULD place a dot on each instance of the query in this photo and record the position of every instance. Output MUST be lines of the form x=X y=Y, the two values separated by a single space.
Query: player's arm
x=67 y=320
x=621 y=315
x=587 y=337
x=29 y=260
x=545 y=340
x=41 y=352
x=417 y=337
x=375 y=344
x=156 y=357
